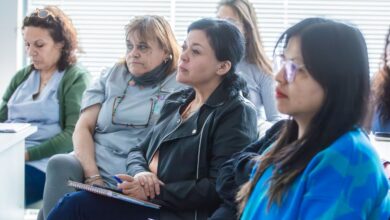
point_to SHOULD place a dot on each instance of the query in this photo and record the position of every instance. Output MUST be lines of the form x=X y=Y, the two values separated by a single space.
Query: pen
x=117 y=179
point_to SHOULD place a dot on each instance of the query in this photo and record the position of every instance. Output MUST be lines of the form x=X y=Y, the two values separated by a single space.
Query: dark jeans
x=34 y=182
x=86 y=205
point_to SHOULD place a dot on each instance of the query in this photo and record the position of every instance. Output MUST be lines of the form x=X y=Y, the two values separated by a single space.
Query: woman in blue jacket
x=322 y=165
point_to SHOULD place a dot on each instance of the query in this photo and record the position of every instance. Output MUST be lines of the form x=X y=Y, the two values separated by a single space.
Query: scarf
x=152 y=77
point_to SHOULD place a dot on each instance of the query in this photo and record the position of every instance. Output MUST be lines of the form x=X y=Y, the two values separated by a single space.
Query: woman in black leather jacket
x=199 y=128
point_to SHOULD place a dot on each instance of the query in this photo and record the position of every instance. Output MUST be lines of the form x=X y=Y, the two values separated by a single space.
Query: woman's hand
x=150 y=183
x=99 y=182
x=95 y=179
x=131 y=187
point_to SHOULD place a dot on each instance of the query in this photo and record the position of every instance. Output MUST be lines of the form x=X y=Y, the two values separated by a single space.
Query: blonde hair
x=154 y=27
x=255 y=52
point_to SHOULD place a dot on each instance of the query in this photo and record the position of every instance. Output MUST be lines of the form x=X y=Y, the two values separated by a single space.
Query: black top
x=236 y=171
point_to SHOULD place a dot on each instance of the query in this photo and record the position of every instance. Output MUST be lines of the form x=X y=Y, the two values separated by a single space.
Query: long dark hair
x=228 y=45
x=61 y=30
x=335 y=55
x=255 y=52
x=381 y=86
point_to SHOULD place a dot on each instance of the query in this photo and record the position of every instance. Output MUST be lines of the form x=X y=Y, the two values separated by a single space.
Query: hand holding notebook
x=109 y=193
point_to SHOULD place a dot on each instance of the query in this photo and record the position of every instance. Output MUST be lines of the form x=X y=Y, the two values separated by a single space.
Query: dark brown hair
x=335 y=55
x=61 y=30
x=381 y=87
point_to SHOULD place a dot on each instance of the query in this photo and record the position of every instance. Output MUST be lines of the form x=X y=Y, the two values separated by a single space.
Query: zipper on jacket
x=198 y=162
x=200 y=144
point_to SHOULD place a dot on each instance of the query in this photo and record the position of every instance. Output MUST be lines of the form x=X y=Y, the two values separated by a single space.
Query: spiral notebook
x=112 y=194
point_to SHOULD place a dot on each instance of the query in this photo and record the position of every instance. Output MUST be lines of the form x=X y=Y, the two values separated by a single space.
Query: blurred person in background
x=379 y=119
x=255 y=67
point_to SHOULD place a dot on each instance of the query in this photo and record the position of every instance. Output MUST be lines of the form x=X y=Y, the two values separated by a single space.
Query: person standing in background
x=47 y=93
x=255 y=67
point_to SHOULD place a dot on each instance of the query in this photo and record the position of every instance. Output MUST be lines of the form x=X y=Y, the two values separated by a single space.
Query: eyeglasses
x=118 y=101
x=290 y=67
x=42 y=14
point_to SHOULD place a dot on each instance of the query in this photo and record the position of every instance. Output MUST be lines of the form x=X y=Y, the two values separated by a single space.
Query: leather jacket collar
x=217 y=98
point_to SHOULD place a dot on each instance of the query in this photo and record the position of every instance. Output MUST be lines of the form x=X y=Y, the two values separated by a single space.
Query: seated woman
x=47 y=93
x=118 y=110
x=322 y=165
x=236 y=171
x=381 y=92
x=198 y=130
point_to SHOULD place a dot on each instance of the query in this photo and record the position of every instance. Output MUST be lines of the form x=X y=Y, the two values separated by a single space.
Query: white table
x=12 y=173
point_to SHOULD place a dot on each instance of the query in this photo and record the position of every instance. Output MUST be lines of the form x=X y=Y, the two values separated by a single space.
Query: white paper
x=13 y=127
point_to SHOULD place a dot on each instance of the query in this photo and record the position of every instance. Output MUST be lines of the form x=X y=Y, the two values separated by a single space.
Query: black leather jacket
x=191 y=151
x=236 y=171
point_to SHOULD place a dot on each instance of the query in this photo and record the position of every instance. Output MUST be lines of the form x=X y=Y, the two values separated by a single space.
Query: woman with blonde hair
x=255 y=67
x=118 y=110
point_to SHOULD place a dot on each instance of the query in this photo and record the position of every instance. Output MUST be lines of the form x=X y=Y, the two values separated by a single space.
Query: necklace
x=44 y=83
x=188 y=112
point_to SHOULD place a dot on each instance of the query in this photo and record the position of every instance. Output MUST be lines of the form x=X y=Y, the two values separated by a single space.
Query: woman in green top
x=46 y=93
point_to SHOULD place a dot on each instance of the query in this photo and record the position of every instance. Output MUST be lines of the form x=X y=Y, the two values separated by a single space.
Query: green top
x=70 y=92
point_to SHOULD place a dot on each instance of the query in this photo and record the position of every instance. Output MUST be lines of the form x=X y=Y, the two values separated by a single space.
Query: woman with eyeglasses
x=47 y=93
x=321 y=165
x=199 y=128
x=118 y=110
x=255 y=68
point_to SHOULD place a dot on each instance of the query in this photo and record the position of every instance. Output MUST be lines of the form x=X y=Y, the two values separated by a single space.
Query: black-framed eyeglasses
x=117 y=101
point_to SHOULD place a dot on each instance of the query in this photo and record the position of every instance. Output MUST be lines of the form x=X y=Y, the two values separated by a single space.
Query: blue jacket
x=344 y=181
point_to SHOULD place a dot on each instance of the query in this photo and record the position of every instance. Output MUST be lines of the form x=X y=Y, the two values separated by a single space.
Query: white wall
x=10 y=40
